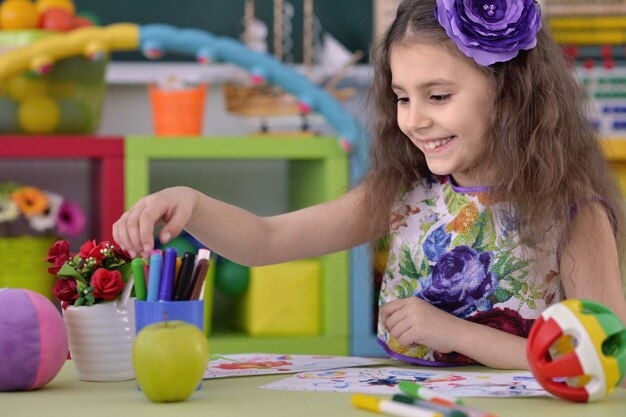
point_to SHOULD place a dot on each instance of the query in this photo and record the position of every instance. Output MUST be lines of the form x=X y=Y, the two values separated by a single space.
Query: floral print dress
x=461 y=252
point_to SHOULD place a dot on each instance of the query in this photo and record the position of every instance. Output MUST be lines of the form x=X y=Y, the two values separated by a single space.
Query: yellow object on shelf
x=591 y=37
x=23 y=264
x=589 y=22
x=283 y=299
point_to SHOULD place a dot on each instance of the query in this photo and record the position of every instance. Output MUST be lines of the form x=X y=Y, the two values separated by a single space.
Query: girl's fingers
x=173 y=226
x=402 y=333
x=391 y=307
x=132 y=228
x=120 y=235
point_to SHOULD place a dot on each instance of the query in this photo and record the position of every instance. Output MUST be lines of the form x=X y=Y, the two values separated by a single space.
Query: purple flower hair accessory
x=490 y=31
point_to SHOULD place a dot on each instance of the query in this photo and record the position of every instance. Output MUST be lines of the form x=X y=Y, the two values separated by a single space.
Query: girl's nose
x=417 y=119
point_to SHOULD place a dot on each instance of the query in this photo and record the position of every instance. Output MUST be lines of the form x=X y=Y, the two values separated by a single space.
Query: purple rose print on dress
x=490 y=31
x=461 y=282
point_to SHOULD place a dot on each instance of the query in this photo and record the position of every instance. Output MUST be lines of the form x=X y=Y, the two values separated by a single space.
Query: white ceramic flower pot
x=101 y=338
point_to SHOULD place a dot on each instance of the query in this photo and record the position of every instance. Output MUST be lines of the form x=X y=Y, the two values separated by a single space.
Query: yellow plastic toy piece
x=88 y=41
x=283 y=299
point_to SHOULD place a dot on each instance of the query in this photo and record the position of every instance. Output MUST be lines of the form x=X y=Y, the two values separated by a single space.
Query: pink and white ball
x=33 y=345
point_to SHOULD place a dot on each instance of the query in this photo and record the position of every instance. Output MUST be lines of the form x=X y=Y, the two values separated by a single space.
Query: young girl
x=486 y=178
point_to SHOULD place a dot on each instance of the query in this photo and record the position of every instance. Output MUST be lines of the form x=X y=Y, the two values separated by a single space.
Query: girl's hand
x=413 y=321
x=172 y=207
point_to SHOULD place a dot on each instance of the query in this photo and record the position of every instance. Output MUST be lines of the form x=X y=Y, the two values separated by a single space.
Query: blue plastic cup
x=149 y=312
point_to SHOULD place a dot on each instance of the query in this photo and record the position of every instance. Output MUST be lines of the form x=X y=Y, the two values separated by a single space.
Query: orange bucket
x=177 y=111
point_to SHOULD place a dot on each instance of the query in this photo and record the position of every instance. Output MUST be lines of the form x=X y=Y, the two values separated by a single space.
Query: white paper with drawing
x=245 y=364
x=385 y=381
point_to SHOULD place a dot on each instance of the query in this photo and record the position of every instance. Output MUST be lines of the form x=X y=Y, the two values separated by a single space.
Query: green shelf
x=317 y=172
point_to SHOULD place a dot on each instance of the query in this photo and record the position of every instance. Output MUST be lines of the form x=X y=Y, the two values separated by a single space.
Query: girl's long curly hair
x=544 y=156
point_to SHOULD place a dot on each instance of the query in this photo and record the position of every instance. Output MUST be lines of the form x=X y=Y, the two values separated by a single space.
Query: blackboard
x=349 y=21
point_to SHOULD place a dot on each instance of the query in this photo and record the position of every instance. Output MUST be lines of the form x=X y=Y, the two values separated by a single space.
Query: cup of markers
x=170 y=287
x=417 y=401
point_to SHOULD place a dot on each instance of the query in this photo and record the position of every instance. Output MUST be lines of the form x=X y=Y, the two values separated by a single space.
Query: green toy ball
x=231 y=278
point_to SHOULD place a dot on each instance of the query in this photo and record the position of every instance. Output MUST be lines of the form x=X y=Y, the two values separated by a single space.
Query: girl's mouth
x=434 y=144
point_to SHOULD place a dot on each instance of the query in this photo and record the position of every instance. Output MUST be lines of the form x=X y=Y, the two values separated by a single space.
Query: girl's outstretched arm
x=240 y=235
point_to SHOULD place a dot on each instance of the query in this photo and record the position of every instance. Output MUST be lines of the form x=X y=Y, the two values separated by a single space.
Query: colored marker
x=185 y=276
x=204 y=253
x=446 y=411
x=154 y=276
x=166 y=287
x=419 y=391
x=392 y=408
x=198 y=279
x=139 y=278
x=179 y=263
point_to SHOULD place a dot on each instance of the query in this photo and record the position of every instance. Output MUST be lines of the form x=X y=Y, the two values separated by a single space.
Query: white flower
x=48 y=220
x=9 y=210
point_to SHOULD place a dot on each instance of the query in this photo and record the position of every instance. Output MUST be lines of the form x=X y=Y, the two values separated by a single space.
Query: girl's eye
x=402 y=100
x=439 y=98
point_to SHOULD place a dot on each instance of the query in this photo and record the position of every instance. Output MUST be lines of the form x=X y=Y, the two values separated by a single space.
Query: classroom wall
x=127 y=89
x=258 y=186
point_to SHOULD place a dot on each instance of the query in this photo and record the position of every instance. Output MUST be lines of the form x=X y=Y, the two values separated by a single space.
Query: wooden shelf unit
x=318 y=172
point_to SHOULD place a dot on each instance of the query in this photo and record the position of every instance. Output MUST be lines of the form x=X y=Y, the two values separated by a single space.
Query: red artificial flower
x=92 y=250
x=65 y=290
x=60 y=247
x=57 y=255
x=107 y=284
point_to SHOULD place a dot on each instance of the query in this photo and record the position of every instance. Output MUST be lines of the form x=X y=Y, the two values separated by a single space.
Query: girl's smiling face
x=443 y=106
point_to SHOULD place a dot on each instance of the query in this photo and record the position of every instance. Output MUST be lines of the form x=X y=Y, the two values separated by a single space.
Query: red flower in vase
x=91 y=249
x=107 y=284
x=65 y=290
x=58 y=254
x=98 y=273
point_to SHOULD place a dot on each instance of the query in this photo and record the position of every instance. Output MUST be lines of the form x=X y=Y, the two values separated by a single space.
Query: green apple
x=169 y=359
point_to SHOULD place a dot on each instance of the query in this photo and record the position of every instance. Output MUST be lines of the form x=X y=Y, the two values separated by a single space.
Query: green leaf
x=510 y=268
x=401 y=291
x=125 y=270
x=424 y=269
x=463 y=239
x=501 y=295
x=485 y=235
x=7 y=188
x=67 y=271
x=516 y=286
x=407 y=267
x=454 y=201
x=81 y=287
x=89 y=299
